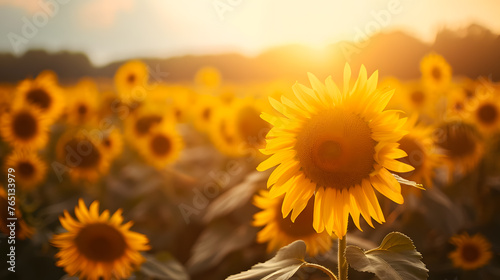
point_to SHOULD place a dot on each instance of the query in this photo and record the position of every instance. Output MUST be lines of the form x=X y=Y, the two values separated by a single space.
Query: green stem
x=322 y=268
x=342 y=260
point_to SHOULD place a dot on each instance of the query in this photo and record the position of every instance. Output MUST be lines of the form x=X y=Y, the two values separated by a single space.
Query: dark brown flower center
x=144 y=124
x=82 y=110
x=417 y=97
x=39 y=97
x=106 y=142
x=303 y=224
x=487 y=113
x=160 y=145
x=251 y=127
x=131 y=78
x=335 y=149
x=87 y=153
x=206 y=114
x=470 y=252
x=26 y=169
x=24 y=125
x=436 y=73
x=100 y=243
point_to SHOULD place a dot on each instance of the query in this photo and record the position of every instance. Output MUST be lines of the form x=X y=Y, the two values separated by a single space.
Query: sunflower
x=42 y=93
x=250 y=130
x=25 y=128
x=139 y=124
x=462 y=145
x=222 y=133
x=22 y=230
x=279 y=231
x=471 y=252
x=421 y=154
x=112 y=143
x=161 y=146
x=84 y=157
x=5 y=98
x=82 y=105
x=456 y=103
x=30 y=169
x=436 y=72
x=131 y=80
x=208 y=77
x=98 y=246
x=338 y=146
x=484 y=111
x=204 y=110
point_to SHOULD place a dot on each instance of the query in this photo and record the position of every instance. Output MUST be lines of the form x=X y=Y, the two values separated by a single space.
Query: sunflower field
x=359 y=174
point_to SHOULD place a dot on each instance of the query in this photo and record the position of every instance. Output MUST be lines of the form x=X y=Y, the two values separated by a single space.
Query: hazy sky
x=108 y=30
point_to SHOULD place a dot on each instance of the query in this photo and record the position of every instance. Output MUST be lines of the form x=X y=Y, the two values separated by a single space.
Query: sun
x=472 y=252
x=339 y=146
x=279 y=231
x=97 y=246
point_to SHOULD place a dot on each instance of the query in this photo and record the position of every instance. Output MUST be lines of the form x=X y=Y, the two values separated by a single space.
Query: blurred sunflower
x=139 y=124
x=223 y=135
x=250 y=130
x=22 y=230
x=436 y=72
x=338 y=146
x=161 y=146
x=462 y=146
x=30 y=169
x=98 y=246
x=85 y=158
x=82 y=103
x=208 y=77
x=471 y=252
x=112 y=143
x=131 y=79
x=203 y=111
x=42 y=93
x=456 y=103
x=279 y=231
x=5 y=98
x=484 y=111
x=25 y=128
x=421 y=154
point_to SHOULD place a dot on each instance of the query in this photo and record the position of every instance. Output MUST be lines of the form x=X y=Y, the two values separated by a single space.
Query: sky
x=109 y=30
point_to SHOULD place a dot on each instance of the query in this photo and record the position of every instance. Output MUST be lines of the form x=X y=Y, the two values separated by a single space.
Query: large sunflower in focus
x=471 y=252
x=436 y=72
x=30 y=169
x=279 y=231
x=42 y=93
x=24 y=128
x=98 y=246
x=336 y=145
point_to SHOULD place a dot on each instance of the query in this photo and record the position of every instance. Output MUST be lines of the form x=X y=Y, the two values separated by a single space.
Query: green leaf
x=282 y=267
x=165 y=270
x=395 y=259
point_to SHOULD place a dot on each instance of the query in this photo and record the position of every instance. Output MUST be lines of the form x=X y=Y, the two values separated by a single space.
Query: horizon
x=120 y=30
